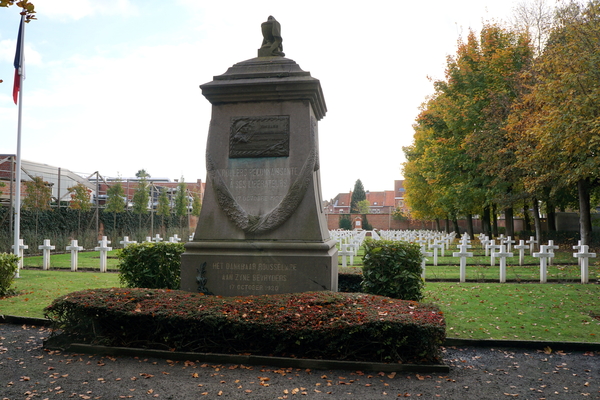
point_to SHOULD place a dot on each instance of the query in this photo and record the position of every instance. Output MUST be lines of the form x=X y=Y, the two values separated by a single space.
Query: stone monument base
x=257 y=268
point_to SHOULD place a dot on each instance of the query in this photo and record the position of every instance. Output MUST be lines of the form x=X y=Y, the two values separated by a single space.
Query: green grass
x=37 y=289
x=554 y=312
x=87 y=259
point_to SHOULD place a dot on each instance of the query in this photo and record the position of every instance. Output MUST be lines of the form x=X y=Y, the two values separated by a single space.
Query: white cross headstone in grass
x=551 y=247
x=46 y=247
x=543 y=255
x=425 y=254
x=103 y=249
x=503 y=255
x=355 y=245
x=177 y=238
x=465 y=240
x=22 y=247
x=435 y=247
x=191 y=237
x=584 y=256
x=346 y=252
x=148 y=239
x=157 y=238
x=531 y=242
x=491 y=247
x=125 y=242
x=484 y=243
x=74 y=248
x=521 y=247
x=578 y=249
x=420 y=241
x=509 y=242
x=463 y=254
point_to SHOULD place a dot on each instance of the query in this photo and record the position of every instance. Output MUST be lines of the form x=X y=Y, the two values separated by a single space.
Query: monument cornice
x=266 y=79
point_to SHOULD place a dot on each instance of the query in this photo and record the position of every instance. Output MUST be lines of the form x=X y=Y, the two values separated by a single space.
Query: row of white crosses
x=349 y=243
x=438 y=241
x=74 y=248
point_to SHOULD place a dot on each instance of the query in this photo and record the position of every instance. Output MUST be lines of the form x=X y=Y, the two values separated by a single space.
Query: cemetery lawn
x=510 y=311
x=86 y=260
x=37 y=289
x=518 y=311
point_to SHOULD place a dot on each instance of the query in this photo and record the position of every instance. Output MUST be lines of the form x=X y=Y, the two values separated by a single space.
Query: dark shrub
x=151 y=265
x=343 y=326
x=349 y=283
x=8 y=266
x=392 y=269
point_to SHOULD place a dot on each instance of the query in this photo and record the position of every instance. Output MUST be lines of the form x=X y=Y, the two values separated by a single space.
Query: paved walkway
x=27 y=371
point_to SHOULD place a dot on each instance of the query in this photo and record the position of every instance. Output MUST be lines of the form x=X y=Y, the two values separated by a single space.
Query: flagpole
x=17 y=225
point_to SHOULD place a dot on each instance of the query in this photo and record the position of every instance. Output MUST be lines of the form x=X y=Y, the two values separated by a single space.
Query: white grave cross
x=502 y=255
x=425 y=254
x=491 y=247
x=46 y=247
x=435 y=246
x=347 y=251
x=103 y=249
x=544 y=255
x=521 y=247
x=74 y=250
x=463 y=254
x=551 y=247
x=584 y=256
x=157 y=238
x=22 y=247
x=125 y=242
x=531 y=242
x=509 y=242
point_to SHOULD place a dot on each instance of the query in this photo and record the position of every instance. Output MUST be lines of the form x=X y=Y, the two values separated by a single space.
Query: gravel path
x=27 y=371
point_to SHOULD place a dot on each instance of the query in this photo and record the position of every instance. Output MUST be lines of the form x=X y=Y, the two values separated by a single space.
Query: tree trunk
x=447 y=225
x=585 y=217
x=437 y=224
x=509 y=222
x=537 y=222
x=551 y=212
x=494 y=221
x=455 y=224
x=526 y=217
x=470 y=230
x=487 y=230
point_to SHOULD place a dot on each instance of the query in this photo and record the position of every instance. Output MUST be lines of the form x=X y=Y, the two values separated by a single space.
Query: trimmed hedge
x=349 y=283
x=9 y=263
x=151 y=265
x=343 y=326
x=393 y=269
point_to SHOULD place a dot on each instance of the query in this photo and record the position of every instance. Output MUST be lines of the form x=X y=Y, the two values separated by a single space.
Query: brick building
x=381 y=206
x=60 y=180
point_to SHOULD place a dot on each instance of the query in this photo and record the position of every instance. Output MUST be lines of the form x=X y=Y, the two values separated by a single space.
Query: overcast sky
x=112 y=85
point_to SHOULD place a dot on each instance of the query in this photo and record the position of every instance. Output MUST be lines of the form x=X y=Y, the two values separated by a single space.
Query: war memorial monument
x=262 y=229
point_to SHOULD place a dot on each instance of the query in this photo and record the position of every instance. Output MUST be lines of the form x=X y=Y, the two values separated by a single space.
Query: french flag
x=19 y=67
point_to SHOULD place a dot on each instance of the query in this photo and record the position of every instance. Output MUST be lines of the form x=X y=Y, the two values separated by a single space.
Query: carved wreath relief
x=267 y=136
x=245 y=130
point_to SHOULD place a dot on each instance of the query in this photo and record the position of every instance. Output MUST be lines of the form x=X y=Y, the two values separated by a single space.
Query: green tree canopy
x=115 y=202
x=163 y=208
x=39 y=194
x=80 y=197
x=358 y=194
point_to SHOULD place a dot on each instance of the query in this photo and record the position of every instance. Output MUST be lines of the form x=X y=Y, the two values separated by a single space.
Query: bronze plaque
x=267 y=136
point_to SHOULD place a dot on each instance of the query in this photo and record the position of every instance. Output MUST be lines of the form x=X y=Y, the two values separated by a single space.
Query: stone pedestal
x=262 y=229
